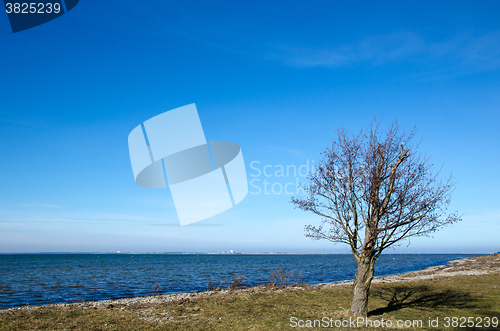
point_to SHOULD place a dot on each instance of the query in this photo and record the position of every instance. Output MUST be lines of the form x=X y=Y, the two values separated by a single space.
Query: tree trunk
x=362 y=282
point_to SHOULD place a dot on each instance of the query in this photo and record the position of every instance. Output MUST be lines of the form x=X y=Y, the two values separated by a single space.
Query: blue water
x=36 y=279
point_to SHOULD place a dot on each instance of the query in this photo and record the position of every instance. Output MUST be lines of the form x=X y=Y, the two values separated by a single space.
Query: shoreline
x=470 y=266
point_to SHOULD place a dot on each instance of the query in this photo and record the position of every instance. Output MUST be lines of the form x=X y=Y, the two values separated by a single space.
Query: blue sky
x=276 y=77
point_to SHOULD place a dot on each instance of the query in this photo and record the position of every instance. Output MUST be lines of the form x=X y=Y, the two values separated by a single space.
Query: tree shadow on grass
x=423 y=298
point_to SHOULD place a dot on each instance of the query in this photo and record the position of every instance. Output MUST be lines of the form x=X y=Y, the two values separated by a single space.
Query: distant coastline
x=225 y=253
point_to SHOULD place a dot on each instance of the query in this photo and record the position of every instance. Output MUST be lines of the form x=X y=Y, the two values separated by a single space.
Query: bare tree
x=372 y=191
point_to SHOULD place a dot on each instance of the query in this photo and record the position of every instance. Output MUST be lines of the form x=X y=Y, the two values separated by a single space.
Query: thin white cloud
x=194 y=225
x=484 y=219
x=483 y=52
x=286 y=150
x=25 y=123
x=42 y=217
x=376 y=49
x=465 y=51
x=38 y=205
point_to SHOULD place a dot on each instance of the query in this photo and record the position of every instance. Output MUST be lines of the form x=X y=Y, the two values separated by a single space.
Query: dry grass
x=279 y=278
x=156 y=289
x=229 y=284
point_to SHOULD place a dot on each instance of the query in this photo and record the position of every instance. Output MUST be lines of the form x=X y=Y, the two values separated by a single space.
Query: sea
x=38 y=279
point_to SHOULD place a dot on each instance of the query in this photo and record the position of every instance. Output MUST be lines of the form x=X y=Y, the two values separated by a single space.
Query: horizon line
x=226 y=253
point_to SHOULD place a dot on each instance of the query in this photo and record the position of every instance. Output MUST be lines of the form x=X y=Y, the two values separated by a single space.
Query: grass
x=267 y=308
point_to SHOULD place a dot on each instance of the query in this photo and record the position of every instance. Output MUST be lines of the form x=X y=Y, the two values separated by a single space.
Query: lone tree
x=372 y=191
